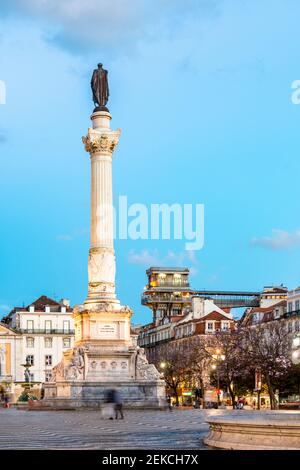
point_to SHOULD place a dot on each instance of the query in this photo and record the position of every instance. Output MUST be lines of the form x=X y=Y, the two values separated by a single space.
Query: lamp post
x=258 y=382
x=218 y=357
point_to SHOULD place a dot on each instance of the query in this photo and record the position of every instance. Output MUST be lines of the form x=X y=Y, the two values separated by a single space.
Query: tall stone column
x=100 y=142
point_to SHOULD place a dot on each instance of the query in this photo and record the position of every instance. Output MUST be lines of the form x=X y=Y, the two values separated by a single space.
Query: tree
x=176 y=367
x=267 y=347
x=200 y=358
x=231 y=367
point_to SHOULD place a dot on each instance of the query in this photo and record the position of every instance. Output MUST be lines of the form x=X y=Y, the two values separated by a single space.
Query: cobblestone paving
x=179 y=429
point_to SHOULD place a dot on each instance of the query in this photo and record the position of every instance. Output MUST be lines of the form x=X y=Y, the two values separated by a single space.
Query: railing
x=222 y=299
x=171 y=284
x=46 y=331
x=293 y=313
x=154 y=343
x=148 y=298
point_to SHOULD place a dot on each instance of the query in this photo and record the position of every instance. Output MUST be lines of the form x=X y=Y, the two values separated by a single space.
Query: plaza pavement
x=179 y=429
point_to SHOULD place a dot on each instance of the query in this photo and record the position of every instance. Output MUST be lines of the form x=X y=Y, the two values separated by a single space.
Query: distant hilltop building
x=38 y=334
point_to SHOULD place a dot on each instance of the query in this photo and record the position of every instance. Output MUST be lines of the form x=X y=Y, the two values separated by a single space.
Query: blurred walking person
x=118 y=404
x=108 y=405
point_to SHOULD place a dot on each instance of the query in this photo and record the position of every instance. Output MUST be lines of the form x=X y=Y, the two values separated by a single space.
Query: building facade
x=37 y=334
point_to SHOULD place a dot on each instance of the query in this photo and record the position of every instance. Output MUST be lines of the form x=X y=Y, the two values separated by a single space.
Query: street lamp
x=218 y=357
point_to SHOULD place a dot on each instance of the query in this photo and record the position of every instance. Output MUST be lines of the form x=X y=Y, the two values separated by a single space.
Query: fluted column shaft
x=100 y=143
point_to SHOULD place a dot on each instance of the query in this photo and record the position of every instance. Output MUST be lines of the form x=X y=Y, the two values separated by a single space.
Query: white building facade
x=37 y=334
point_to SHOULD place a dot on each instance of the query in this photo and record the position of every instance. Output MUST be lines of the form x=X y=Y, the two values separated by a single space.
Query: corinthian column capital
x=99 y=141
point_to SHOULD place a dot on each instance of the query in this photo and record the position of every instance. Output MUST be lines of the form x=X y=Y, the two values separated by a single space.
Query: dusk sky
x=202 y=90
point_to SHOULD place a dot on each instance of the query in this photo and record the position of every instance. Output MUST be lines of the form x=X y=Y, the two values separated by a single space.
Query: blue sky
x=202 y=92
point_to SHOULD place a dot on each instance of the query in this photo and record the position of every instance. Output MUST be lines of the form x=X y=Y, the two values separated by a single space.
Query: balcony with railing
x=172 y=283
x=46 y=331
x=292 y=313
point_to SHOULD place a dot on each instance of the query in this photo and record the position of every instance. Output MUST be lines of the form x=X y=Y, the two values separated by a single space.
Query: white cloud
x=152 y=258
x=279 y=240
x=144 y=257
x=98 y=23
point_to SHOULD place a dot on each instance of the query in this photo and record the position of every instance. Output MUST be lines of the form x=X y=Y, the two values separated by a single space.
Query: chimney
x=65 y=302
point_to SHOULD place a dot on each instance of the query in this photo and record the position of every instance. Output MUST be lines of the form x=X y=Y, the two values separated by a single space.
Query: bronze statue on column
x=99 y=84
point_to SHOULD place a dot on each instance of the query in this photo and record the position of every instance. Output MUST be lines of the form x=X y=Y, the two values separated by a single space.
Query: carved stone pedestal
x=106 y=356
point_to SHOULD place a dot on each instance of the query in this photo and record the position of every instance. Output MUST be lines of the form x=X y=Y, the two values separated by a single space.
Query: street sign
x=257 y=380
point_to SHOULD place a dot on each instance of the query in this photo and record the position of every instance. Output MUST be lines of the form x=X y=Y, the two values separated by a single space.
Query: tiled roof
x=42 y=302
x=39 y=305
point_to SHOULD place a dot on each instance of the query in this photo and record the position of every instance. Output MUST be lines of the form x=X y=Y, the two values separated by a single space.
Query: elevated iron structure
x=231 y=299
x=168 y=293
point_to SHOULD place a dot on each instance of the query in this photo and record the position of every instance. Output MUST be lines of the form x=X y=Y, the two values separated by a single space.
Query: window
x=209 y=326
x=290 y=306
x=48 y=326
x=66 y=326
x=297 y=326
x=297 y=305
x=290 y=327
x=225 y=326
x=48 y=360
x=30 y=326
x=30 y=342
x=48 y=374
x=66 y=343
x=30 y=359
x=176 y=311
x=48 y=342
